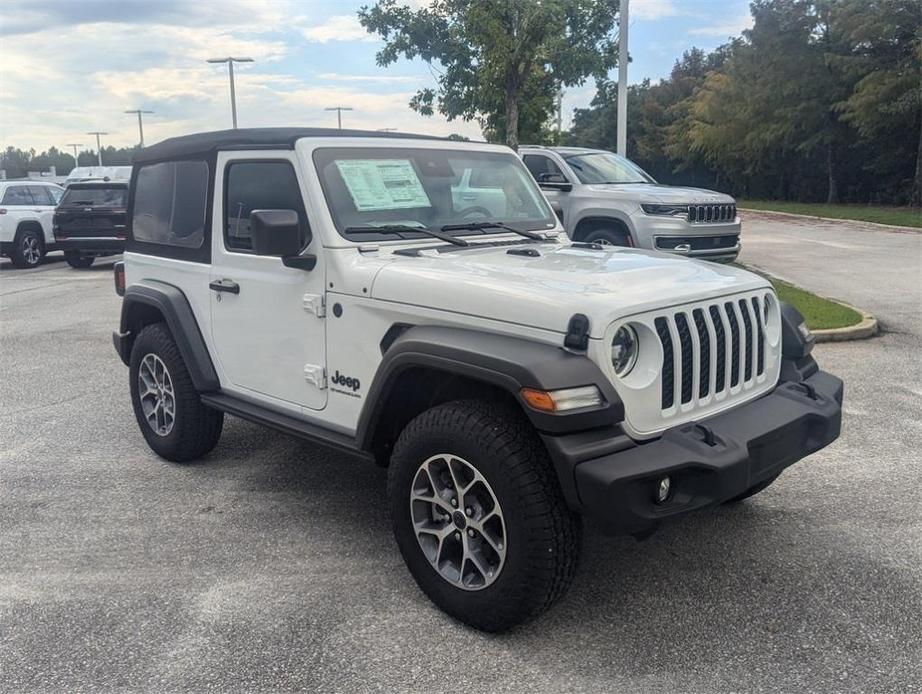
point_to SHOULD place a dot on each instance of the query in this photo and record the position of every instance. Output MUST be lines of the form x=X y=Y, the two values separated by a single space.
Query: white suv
x=605 y=198
x=26 y=214
x=410 y=301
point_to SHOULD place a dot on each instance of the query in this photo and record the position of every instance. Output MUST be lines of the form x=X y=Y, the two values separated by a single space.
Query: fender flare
x=602 y=213
x=172 y=304
x=508 y=363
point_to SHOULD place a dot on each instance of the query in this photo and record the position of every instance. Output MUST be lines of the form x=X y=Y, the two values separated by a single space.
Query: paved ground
x=271 y=566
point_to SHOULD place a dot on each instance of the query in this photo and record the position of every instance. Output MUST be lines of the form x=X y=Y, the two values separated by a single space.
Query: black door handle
x=225 y=286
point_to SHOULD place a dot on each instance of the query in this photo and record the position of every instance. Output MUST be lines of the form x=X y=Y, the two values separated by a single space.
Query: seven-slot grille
x=711 y=349
x=700 y=214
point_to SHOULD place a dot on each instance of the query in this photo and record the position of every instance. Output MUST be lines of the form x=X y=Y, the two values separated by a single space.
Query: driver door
x=266 y=319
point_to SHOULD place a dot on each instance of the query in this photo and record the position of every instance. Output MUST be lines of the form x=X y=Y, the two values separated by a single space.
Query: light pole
x=140 y=124
x=622 y=79
x=75 y=145
x=339 y=114
x=230 y=71
x=97 y=133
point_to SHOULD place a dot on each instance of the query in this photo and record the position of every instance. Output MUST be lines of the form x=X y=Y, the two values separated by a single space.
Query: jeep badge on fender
x=511 y=380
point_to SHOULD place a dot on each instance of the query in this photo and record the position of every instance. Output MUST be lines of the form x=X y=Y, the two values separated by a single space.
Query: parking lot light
x=230 y=71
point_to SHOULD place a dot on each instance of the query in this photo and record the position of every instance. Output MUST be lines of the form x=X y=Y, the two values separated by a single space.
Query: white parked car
x=411 y=301
x=26 y=215
x=604 y=198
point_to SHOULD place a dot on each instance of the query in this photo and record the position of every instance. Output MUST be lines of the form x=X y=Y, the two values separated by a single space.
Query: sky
x=72 y=66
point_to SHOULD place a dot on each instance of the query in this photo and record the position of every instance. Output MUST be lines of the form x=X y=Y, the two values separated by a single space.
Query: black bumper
x=708 y=462
x=91 y=246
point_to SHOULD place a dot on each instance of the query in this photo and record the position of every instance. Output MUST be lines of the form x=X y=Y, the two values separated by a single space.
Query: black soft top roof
x=251 y=138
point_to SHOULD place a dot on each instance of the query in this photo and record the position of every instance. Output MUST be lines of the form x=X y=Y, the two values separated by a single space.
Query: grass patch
x=819 y=313
x=899 y=216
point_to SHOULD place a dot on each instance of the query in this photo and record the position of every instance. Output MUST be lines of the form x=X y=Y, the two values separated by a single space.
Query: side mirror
x=554 y=181
x=278 y=233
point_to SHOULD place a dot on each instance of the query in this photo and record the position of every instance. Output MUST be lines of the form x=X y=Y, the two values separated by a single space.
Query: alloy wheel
x=155 y=391
x=31 y=250
x=458 y=522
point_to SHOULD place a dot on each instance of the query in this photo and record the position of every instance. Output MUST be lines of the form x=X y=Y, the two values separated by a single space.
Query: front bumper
x=708 y=462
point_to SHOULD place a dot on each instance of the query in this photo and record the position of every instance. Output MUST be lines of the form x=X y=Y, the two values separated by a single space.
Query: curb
x=888 y=227
x=868 y=327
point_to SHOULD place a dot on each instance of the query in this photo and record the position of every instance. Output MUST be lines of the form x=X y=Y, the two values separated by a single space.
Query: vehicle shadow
x=760 y=582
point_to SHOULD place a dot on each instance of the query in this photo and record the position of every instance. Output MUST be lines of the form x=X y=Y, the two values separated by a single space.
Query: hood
x=655 y=192
x=546 y=290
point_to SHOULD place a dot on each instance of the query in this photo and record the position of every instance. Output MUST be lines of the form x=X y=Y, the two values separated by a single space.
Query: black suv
x=90 y=221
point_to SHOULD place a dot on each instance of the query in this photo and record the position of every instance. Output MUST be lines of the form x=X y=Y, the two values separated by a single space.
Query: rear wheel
x=75 y=260
x=609 y=237
x=28 y=249
x=170 y=413
x=479 y=516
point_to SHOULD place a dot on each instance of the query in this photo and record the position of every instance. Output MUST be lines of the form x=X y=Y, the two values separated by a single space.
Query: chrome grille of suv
x=702 y=214
x=732 y=331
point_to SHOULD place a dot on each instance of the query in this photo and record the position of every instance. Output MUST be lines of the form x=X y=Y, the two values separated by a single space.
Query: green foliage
x=819 y=100
x=18 y=163
x=500 y=63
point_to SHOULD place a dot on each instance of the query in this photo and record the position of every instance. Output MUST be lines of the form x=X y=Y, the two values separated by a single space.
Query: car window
x=419 y=187
x=41 y=195
x=605 y=167
x=258 y=185
x=539 y=164
x=95 y=197
x=55 y=193
x=17 y=195
x=169 y=204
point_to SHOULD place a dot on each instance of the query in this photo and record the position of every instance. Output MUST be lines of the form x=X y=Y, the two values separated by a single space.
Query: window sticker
x=382 y=184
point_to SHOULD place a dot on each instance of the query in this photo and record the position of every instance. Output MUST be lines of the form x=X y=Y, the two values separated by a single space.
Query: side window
x=258 y=185
x=169 y=203
x=17 y=195
x=541 y=166
x=41 y=195
x=56 y=194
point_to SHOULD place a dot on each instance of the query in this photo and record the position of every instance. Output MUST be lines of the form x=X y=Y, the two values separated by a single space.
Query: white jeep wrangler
x=355 y=289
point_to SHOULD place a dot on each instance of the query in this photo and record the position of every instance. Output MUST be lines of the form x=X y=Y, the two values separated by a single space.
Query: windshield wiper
x=398 y=228
x=477 y=226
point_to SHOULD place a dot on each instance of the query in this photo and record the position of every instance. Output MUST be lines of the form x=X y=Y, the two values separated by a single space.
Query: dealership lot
x=271 y=563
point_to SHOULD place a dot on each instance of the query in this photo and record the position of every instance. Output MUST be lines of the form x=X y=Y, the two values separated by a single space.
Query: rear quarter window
x=170 y=201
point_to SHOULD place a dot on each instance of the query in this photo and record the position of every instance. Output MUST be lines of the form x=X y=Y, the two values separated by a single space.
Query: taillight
x=119 y=271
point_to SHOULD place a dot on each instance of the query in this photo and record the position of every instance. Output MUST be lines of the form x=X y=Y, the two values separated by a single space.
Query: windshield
x=426 y=188
x=94 y=197
x=605 y=167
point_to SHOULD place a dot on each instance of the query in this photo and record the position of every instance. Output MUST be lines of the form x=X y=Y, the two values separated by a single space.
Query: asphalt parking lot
x=271 y=566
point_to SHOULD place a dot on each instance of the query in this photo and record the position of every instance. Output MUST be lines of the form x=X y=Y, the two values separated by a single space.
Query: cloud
x=653 y=9
x=724 y=29
x=341 y=27
x=381 y=79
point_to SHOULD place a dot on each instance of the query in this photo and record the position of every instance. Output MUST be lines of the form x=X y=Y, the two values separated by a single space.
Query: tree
x=497 y=61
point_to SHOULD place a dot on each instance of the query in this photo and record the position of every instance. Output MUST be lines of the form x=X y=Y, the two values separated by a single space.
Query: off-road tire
x=77 y=261
x=542 y=534
x=18 y=252
x=609 y=237
x=753 y=490
x=196 y=428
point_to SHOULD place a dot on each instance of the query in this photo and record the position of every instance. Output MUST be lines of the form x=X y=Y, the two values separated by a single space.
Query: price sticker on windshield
x=382 y=184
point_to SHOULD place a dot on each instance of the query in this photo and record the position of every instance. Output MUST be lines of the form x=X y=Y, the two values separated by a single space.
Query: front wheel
x=174 y=421
x=609 y=237
x=77 y=261
x=479 y=516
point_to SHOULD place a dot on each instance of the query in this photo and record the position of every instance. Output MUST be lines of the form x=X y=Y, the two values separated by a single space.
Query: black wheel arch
x=587 y=225
x=152 y=301
x=425 y=366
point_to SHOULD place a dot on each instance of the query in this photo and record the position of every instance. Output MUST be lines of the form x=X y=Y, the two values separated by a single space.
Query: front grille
x=710 y=214
x=698 y=243
x=711 y=349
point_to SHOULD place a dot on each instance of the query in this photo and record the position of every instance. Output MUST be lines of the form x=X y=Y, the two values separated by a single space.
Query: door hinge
x=316 y=376
x=315 y=303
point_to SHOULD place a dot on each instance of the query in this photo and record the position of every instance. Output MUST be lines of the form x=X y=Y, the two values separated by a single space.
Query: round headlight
x=624 y=350
x=767 y=303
